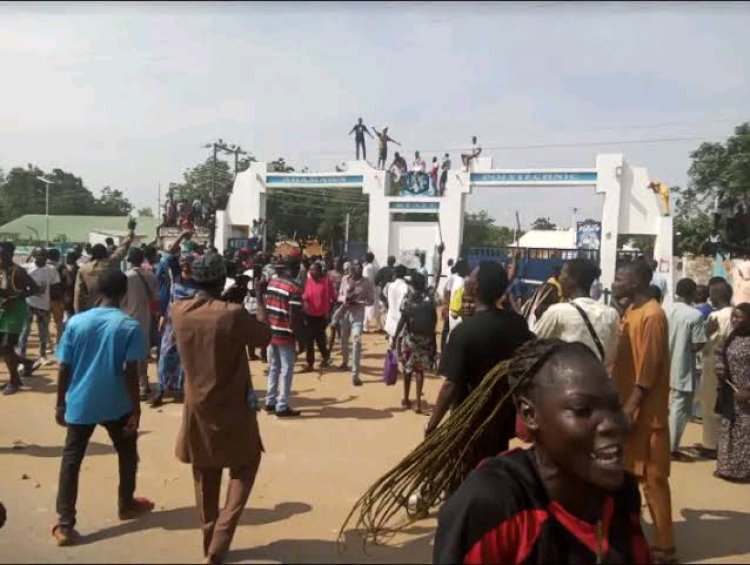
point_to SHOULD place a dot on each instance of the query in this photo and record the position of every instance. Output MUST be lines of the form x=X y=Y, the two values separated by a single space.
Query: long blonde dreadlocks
x=444 y=459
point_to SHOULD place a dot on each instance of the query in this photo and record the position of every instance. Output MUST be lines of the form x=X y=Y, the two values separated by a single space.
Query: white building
x=547 y=239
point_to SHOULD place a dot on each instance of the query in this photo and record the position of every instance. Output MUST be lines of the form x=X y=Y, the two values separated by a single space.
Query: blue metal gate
x=536 y=265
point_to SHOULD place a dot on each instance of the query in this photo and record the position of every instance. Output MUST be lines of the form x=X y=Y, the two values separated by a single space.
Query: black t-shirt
x=503 y=514
x=385 y=275
x=478 y=344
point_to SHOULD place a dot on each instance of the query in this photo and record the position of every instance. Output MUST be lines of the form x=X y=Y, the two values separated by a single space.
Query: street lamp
x=46 y=203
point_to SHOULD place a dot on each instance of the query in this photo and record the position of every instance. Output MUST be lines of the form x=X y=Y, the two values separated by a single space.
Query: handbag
x=592 y=331
x=390 y=368
x=154 y=306
x=724 y=406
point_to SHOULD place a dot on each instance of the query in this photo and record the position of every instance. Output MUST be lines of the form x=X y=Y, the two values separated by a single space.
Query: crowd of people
x=603 y=393
x=185 y=215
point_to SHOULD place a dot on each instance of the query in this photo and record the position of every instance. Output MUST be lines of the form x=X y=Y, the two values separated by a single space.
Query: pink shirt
x=318 y=296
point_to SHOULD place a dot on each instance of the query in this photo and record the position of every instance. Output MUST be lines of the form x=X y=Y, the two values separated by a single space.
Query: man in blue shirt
x=98 y=384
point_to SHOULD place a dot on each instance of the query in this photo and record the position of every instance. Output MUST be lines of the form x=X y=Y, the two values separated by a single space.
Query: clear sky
x=126 y=95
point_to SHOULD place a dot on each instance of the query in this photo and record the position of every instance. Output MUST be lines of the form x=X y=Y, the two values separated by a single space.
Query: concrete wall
x=629 y=206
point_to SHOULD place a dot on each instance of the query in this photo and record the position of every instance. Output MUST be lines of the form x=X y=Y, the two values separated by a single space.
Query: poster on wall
x=409 y=184
x=588 y=234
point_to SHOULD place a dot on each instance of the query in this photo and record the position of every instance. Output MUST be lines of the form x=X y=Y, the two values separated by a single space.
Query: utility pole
x=46 y=204
x=231 y=149
x=346 y=235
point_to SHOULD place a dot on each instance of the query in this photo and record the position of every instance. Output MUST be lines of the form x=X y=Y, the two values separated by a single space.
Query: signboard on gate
x=588 y=234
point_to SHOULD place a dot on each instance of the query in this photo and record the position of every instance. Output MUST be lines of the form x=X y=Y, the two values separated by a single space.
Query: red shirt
x=318 y=296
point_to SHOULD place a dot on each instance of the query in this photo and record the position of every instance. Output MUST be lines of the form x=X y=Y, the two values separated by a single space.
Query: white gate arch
x=630 y=207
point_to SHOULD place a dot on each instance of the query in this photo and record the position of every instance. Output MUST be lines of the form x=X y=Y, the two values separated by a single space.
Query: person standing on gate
x=383 y=139
x=359 y=130
x=687 y=336
x=445 y=166
x=582 y=318
x=641 y=376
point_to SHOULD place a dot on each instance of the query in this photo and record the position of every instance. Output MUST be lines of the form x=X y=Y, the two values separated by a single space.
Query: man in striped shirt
x=283 y=303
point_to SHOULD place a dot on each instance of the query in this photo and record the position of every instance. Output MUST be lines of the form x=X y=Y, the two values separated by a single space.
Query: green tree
x=112 y=203
x=200 y=182
x=719 y=171
x=146 y=212
x=480 y=231
x=543 y=224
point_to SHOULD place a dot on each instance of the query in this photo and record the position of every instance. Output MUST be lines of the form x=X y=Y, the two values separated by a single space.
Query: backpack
x=422 y=314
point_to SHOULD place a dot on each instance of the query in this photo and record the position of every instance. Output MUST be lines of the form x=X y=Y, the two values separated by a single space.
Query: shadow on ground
x=186 y=518
x=34 y=450
x=418 y=550
x=712 y=534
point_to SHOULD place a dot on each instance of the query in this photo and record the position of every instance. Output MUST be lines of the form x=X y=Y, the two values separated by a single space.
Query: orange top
x=643 y=360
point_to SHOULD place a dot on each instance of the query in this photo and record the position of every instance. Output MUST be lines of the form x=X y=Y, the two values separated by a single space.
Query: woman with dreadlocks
x=567 y=499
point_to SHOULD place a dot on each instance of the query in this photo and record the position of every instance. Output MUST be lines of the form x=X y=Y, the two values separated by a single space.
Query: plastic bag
x=390 y=369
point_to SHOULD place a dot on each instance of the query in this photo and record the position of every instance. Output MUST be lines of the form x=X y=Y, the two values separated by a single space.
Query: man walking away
x=93 y=389
x=687 y=336
x=87 y=283
x=641 y=376
x=44 y=276
x=71 y=272
x=219 y=428
x=384 y=277
x=316 y=301
x=372 y=312
x=284 y=303
x=143 y=288
x=477 y=345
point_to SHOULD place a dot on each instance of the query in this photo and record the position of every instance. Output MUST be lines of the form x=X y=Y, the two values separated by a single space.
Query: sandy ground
x=315 y=467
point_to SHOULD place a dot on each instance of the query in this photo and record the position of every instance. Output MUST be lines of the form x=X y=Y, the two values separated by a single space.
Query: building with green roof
x=32 y=228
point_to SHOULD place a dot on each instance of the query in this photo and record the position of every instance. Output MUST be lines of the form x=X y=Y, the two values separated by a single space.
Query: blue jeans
x=351 y=326
x=42 y=323
x=680 y=408
x=280 y=364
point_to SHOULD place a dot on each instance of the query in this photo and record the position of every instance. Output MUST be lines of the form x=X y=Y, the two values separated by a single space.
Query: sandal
x=10 y=388
x=406 y=404
x=28 y=369
x=135 y=508
x=64 y=535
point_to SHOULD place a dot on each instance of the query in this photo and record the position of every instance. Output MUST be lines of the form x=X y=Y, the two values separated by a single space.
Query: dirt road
x=314 y=469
